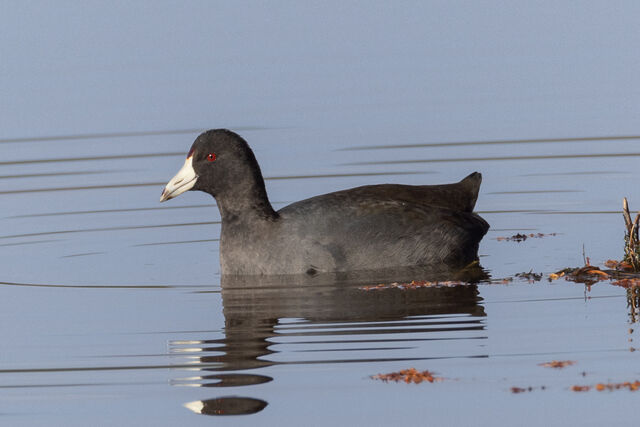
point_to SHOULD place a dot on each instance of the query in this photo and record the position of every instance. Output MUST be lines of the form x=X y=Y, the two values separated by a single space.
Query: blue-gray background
x=305 y=83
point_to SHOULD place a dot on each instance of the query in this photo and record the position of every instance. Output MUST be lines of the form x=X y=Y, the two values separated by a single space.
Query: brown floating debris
x=516 y=390
x=580 y=388
x=598 y=272
x=631 y=386
x=522 y=237
x=411 y=375
x=555 y=276
x=588 y=274
x=625 y=271
x=618 y=265
x=627 y=283
x=530 y=276
x=557 y=363
x=415 y=284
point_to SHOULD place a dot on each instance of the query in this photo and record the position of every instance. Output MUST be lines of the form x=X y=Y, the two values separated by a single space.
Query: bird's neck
x=245 y=203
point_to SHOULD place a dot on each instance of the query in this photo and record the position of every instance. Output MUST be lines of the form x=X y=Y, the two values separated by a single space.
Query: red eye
x=211 y=157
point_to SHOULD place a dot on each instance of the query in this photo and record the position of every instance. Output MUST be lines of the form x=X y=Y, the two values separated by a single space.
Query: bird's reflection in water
x=339 y=309
x=227 y=406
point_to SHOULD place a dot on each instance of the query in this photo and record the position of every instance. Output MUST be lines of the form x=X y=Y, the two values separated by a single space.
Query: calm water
x=112 y=305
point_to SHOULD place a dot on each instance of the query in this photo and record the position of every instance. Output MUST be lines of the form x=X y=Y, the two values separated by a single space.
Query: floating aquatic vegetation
x=618 y=265
x=414 y=284
x=411 y=375
x=530 y=276
x=628 y=283
x=517 y=390
x=557 y=364
x=625 y=272
x=522 y=237
x=589 y=274
x=580 y=388
x=631 y=386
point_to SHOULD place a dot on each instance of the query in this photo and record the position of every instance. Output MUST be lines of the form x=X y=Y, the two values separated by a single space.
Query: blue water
x=112 y=305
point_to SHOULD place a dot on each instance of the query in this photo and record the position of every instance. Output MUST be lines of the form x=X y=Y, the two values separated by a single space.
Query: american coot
x=374 y=227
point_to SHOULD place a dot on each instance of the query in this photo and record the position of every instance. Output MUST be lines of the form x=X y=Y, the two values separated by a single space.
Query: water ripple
x=91 y=158
x=161 y=184
x=106 y=135
x=496 y=158
x=45 y=174
x=99 y=229
x=496 y=142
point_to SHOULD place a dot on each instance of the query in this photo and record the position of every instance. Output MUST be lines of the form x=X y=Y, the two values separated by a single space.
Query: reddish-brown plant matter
x=414 y=284
x=411 y=375
x=631 y=386
x=557 y=363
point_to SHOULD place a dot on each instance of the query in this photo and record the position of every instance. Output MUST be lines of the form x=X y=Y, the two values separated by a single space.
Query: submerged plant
x=631 y=240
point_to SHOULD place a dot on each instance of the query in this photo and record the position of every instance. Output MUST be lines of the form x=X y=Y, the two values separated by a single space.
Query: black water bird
x=374 y=227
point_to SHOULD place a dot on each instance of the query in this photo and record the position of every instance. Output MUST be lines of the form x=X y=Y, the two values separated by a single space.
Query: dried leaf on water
x=588 y=274
x=631 y=386
x=411 y=375
x=598 y=271
x=580 y=388
x=558 y=363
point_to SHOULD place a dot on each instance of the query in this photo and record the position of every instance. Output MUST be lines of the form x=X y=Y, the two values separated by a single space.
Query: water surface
x=113 y=307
